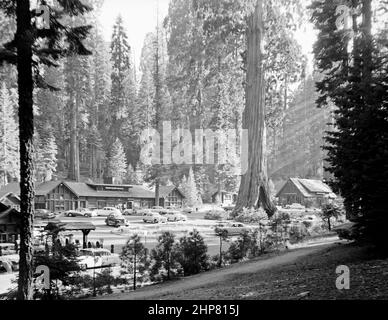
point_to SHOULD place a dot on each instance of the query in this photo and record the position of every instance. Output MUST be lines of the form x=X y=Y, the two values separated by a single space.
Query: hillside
x=307 y=273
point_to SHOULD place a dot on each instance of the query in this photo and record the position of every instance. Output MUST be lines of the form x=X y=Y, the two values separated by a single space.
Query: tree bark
x=134 y=272
x=74 y=171
x=157 y=191
x=24 y=39
x=254 y=188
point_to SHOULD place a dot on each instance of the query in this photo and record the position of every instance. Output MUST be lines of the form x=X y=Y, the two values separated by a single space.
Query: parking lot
x=148 y=232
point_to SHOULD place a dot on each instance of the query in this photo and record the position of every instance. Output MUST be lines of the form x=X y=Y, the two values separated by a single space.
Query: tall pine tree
x=31 y=48
x=9 y=147
x=353 y=61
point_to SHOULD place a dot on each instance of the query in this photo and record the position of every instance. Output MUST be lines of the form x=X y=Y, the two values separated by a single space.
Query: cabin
x=307 y=192
x=170 y=196
x=9 y=195
x=9 y=224
x=224 y=198
x=59 y=196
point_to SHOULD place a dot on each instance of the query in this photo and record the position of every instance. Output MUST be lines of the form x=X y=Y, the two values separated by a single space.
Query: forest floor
x=307 y=273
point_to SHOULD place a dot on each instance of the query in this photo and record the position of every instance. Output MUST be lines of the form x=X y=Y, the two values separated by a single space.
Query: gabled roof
x=11 y=188
x=316 y=186
x=81 y=189
x=45 y=187
x=309 y=187
x=164 y=191
x=300 y=187
x=6 y=210
x=141 y=192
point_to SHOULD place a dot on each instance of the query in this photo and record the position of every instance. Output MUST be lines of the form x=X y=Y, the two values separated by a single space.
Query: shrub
x=329 y=211
x=165 y=265
x=135 y=260
x=246 y=246
x=251 y=215
x=192 y=253
x=216 y=215
x=298 y=232
x=307 y=223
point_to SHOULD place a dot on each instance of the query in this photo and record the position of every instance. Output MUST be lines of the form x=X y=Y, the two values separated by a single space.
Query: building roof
x=81 y=189
x=71 y=226
x=44 y=188
x=309 y=187
x=6 y=210
x=316 y=186
x=164 y=191
x=10 y=188
x=300 y=187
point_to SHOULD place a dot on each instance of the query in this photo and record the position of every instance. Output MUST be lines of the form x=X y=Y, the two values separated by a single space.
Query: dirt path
x=158 y=291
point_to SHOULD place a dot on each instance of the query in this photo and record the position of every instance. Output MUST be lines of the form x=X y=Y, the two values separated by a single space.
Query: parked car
x=105 y=212
x=296 y=206
x=143 y=212
x=157 y=209
x=228 y=208
x=166 y=210
x=133 y=212
x=44 y=214
x=9 y=263
x=154 y=217
x=74 y=213
x=232 y=228
x=175 y=216
x=7 y=249
x=90 y=258
x=116 y=220
x=89 y=213
x=188 y=210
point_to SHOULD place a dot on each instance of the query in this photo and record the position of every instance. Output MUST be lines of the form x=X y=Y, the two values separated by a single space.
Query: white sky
x=140 y=18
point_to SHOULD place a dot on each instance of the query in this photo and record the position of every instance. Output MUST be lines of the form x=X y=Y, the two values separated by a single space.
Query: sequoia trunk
x=254 y=188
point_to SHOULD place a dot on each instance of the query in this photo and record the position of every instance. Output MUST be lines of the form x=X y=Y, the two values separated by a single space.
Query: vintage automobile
x=105 y=212
x=133 y=212
x=295 y=206
x=154 y=217
x=90 y=258
x=87 y=213
x=116 y=220
x=9 y=263
x=7 y=249
x=144 y=211
x=91 y=212
x=188 y=210
x=232 y=228
x=157 y=209
x=44 y=214
x=174 y=215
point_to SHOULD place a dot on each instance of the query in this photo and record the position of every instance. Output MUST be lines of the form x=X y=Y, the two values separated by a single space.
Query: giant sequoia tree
x=31 y=48
x=254 y=190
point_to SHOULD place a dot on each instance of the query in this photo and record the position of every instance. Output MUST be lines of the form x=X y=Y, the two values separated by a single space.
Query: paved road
x=158 y=291
x=111 y=236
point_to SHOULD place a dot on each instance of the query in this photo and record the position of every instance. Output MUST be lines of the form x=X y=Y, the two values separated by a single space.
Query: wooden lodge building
x=307 y=192
x=58 y=196
x=9 y=224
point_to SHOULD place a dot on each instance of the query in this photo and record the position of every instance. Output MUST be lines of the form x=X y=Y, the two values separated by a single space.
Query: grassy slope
x=310 y=277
